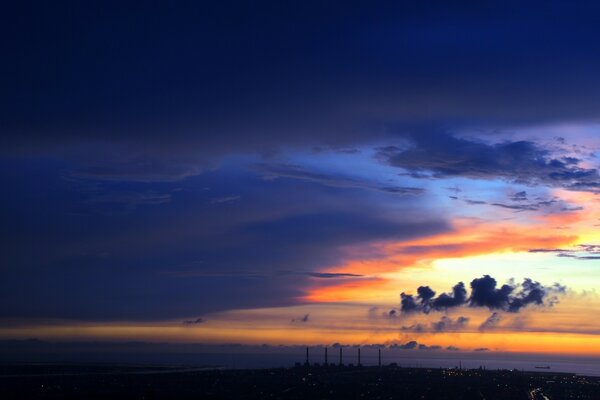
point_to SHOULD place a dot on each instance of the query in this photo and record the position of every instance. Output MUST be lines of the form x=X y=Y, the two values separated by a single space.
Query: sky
x=421 y=175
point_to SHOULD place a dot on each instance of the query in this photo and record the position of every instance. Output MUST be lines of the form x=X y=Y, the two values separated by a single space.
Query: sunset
x=419 y=180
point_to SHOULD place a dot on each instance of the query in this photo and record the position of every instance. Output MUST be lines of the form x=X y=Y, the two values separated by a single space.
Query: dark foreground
x=127 y=382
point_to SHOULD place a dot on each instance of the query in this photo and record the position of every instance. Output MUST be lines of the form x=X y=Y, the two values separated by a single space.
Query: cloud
x=481 y=349
x=519 y=203
x=149 y=120
x=484 y=293
x=475 y=202
x=406 y=346
x=445 y=324
x=491 y=322
x=333 y=275
x=200 y=256
x=425 y=293
x=414 y=345
x=455 y=299
x=282 y=85
x=519 y=196
x=269 y=172
x=517 y=207
x=427 y=302
x=196 y=321
x=408 y=303
x=303 y=319
x=104 y=201
x=417 y=328
x=448 y=324
x=425 y=347
x=578 y=252
x=225 y=200
x=116 y=163
x=524 y=162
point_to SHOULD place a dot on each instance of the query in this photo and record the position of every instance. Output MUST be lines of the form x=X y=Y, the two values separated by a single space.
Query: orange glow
x=469 y=238
x=251 y=333
x=348 y=291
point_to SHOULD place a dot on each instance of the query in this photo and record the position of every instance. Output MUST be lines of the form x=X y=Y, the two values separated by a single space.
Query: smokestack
x=359 y=356
x=379 y=357
x=326 y=356
x=306 y=355
x=341 y=356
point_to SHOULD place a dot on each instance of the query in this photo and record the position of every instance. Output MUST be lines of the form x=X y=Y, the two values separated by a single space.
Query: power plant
x=326 y=363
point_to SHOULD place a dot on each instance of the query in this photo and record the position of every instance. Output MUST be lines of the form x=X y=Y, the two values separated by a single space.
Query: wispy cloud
x=269 y=171
x=578 y=252
x=525 y=162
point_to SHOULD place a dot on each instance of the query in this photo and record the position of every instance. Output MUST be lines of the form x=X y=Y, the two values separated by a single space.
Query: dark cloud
x=331 y=275
x=408 y=303
x=335 y=149
x=417 y=328
x=445 y=324
x=117 y=202
x=303 y=319
x=406 y=346
x=521 y=196
x=225 y=200
x=481 y=349
x=448 y=324
x=257 y=252
x=455 y=299
x=517 y=207
x=579 y=252
x=129 y=168
x=484 y=293
x=475 y=202
x=428 y=302
x=196 y=321
x=414 y=345
x=297 y=172
x=519 y=202
x=132 y=199
x=169 y=95
x=524 y=162
x=210 y=77
x=548 y=250
x=491 y=322
x=425 y=347
x=425 y=294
